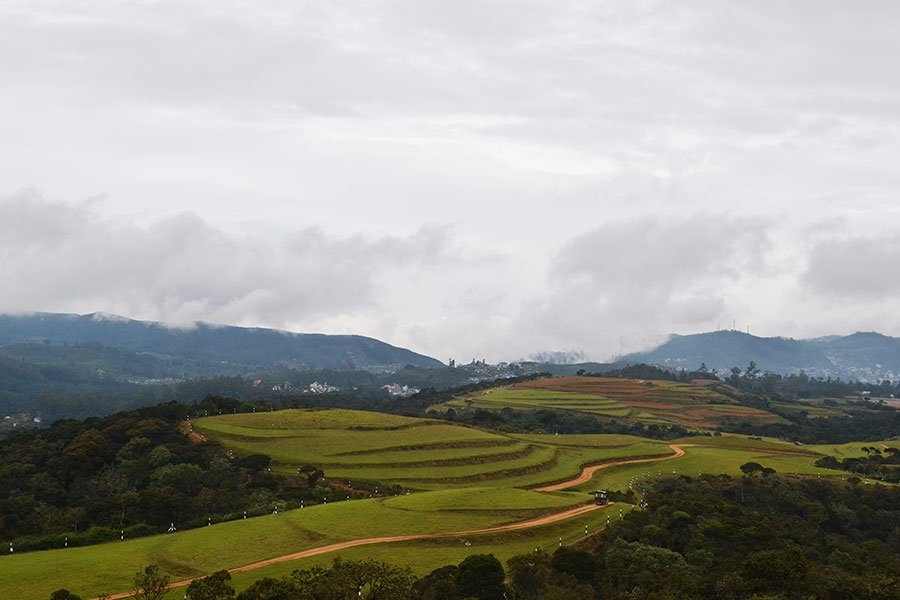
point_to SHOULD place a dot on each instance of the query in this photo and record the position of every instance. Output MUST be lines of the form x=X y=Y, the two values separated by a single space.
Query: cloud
x=856 y=267
x=626 y=282
x=179 y=269
x=620 y=286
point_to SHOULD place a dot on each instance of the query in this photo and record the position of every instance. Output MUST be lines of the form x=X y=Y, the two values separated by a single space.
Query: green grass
x=109 y=567
x=710 y=460
x=852 y=449
x=418 y=454
x=424 y=556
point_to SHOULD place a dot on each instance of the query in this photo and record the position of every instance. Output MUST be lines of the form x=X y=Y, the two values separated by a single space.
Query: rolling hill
x=866 y=356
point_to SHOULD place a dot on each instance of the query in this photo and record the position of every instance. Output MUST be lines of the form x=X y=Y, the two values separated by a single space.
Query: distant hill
x=866 y=356
x=204 y=348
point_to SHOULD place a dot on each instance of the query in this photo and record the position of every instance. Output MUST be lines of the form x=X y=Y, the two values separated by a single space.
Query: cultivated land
x=478 y=480
x=418 y=454
x=691 y=405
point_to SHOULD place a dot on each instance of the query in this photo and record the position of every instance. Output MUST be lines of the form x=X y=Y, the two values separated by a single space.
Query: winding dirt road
x=588 y=472
x=550 y=519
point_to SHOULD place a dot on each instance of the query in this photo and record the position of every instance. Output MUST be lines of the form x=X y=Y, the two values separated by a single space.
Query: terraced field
x=662 y=402
x=714 y=455
x=418 y=454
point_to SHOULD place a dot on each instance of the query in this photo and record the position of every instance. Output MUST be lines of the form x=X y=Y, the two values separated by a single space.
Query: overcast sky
x=466 y=178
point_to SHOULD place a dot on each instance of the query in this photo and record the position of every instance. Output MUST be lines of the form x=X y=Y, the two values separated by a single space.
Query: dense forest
x=759 y=537
x=131 y=474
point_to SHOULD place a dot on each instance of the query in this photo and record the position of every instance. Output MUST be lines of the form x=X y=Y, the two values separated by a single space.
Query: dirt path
x=517 y=526
x=550 y=519
x=588 y=472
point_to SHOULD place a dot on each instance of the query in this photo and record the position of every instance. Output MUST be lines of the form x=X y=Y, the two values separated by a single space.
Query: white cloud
x=180 y=269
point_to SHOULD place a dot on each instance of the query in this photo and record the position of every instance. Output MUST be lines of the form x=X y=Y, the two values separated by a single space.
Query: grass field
x=477 y=479
x=109 y=567
x=707 y=459
x=852 y=449
x=686 y=404
x=419 y=454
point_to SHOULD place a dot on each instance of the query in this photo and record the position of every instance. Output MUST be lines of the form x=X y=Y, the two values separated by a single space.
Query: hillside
x=233 y=349
x=863 y=356
x=660 y=403
x=478 y=491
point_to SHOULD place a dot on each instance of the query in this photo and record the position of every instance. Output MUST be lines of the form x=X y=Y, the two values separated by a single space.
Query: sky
x=470 y=179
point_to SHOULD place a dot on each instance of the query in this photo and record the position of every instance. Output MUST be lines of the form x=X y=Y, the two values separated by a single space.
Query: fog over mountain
x=865 y=356
x=230 y=349
x=464 y=178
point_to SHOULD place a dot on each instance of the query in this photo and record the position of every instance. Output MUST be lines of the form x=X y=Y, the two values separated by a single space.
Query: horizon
x=555 y=357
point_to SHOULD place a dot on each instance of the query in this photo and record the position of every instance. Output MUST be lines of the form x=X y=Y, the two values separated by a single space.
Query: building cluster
x=320 y=388
x=18 y=422
x=401 y=391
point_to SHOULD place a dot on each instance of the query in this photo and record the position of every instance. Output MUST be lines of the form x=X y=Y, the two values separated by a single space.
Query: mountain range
x=203 y=348
x=865 y=356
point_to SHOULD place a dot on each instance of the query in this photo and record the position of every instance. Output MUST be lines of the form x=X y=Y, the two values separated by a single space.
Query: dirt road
x=588 y=472
x=550 y=519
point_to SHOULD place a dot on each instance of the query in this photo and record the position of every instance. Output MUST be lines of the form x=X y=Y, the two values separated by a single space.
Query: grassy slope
x=424 y=556
x=649 y=402
x=415 y=453
x=717 y=455
x=108 y=567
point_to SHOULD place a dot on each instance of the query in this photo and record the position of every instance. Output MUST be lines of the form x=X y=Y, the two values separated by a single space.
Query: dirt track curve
x=588 y=472
x=583 y=477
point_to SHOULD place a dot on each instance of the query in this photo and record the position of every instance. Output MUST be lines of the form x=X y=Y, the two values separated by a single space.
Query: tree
x=752 y=370
x=579 y=564
x=269 y=589
x=215 y=587
x=481 y=576
x=649 y=570
x=528 y=575
x=440 y=584
x=150 y=584
x=749 y=468
x=313 y=474
x=255 y=462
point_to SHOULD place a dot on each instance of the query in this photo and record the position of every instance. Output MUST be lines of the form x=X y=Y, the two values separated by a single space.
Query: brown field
x=689 y=404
